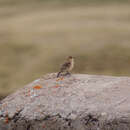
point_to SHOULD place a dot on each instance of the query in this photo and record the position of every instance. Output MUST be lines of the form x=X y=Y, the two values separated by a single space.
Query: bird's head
x=70 y=58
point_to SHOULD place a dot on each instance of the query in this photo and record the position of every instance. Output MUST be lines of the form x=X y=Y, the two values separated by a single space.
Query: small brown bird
x=67 y=66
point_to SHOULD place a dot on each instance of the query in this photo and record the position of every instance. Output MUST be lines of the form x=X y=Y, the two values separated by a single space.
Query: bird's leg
x=58 y=74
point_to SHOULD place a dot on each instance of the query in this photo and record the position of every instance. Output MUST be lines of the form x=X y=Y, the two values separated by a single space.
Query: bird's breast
x=72 y=65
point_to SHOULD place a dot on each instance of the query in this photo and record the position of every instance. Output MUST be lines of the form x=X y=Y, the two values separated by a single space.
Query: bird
x=67 y=66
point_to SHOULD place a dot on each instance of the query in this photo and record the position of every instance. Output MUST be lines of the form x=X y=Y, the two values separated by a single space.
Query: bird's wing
x=65 y=66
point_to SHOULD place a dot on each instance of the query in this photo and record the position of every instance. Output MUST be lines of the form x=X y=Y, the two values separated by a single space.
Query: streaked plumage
x=67 y=66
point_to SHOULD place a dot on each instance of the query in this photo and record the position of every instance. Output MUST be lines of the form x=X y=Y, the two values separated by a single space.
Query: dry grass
x=35 y=40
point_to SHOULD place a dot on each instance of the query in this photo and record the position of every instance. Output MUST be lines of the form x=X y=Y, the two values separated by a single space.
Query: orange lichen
x=61 y=78
x=58 y=79
x=7 y=120
x=37 y=87
x=43 y=126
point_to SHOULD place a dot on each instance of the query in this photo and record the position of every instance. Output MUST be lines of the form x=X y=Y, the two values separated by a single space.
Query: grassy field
x=35 y=39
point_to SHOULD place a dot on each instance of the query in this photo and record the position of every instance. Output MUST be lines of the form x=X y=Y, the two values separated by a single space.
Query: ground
x=35 y=39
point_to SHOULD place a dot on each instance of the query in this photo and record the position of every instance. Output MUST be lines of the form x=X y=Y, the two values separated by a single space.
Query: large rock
x=76 y=102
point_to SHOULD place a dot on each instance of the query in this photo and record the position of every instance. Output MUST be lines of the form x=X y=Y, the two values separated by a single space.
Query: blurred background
x=37 y=35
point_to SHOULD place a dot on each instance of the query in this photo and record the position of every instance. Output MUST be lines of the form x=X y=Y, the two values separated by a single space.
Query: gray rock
x=76 y=102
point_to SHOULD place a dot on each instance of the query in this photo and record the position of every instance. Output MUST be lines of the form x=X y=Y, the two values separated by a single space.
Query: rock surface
x=76 y=102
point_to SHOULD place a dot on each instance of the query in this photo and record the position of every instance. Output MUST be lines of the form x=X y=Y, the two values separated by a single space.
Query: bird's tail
x=58 y=74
